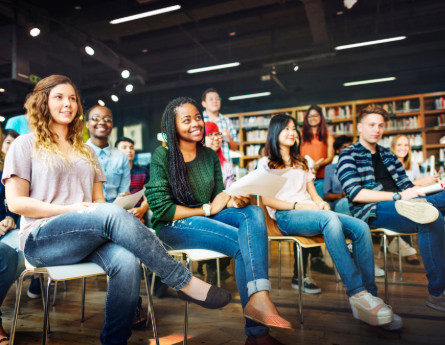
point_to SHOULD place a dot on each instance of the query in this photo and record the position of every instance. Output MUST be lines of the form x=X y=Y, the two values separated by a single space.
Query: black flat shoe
x=414 y=262
x=216 y=298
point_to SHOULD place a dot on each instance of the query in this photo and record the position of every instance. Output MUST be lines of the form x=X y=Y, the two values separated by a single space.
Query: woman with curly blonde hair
x=55 y=182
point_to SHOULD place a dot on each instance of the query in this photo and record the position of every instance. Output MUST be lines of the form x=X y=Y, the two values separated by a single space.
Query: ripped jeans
x=238 y=233
x=114 y=239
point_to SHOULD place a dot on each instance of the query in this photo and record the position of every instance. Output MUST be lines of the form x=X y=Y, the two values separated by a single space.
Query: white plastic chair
x=55 y=273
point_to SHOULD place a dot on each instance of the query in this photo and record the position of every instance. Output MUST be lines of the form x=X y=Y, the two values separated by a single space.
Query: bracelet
x=295 y=203
x=324 y=202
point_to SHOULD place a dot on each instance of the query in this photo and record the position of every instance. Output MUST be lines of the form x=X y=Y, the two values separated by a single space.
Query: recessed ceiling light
x=369 y=81
x=129 y=88
x=296 y=68
x=89 y=50
x=145 y=14
x=125 y=73
x=114 y=98
x=144 y=50
x=339 y=13
x=233 y=33
x=77 y=7
x=2 y=90
x=102 y=103
x=2 y=119
x=253 y=95
x=355 y=45
x=211 y=68
x=35 y=32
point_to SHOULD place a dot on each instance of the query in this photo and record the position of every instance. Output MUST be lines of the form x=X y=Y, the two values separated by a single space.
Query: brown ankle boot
x=265 y=339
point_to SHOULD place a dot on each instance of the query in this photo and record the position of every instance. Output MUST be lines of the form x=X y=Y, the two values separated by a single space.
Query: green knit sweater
x=204 y=176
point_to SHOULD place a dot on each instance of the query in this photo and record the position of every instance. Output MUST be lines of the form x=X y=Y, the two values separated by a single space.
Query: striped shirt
x=356 y=172
x=139 y=178
x=223 y=123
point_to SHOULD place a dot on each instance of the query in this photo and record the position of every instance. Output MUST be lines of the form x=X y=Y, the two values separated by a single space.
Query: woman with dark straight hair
x=190 y=210
x=299 y=211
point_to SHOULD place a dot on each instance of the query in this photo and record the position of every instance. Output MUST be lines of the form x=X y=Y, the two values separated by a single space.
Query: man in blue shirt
x=114 y=163
x=19 y=123
x=333 y=191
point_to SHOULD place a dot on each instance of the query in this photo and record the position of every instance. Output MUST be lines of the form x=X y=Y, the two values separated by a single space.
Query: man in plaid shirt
x=380 y=193
x=212 y=104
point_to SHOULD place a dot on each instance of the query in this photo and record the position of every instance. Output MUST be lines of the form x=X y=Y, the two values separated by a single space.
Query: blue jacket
x=3 y=211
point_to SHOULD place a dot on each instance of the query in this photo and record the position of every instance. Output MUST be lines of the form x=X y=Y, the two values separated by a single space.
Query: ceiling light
x=35 y=32
x=211 y=68
x=355 y=45
x=101 y=103
x=296 y=68
x=349 y=3
x=89 y=50
x=114 y=98
x=129 y=88
x=77 y=7
x=145 y=14
x=144 y=50
x=253 y=95
x=125 y=73
x=370 y=81
x=233 y=33
x=339 y=13
x=2 y=90
x=274 y=70
x=2 y=119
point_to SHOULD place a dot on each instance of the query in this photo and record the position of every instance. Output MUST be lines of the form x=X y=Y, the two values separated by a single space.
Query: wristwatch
x=396 y=196
x=206 y=208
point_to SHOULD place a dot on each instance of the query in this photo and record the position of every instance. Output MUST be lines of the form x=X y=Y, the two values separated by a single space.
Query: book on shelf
x=253 y=150
x=256 y=121
x=407 y=106
x=235 y=123
x=411 y=122
x=251 y=166
x=300 y=116
x=344 y=128
x=332 y=113
x=439 y=103
x=441 y=120
x=256 y=135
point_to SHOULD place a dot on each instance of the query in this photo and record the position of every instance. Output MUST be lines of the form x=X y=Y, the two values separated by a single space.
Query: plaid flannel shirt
x=356 y=172
x=223 y=123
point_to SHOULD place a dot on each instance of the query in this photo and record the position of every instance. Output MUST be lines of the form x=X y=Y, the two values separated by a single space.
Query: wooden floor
x=328 y=317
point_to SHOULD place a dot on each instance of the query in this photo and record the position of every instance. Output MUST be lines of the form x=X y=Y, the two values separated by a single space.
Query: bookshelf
x=421 y=117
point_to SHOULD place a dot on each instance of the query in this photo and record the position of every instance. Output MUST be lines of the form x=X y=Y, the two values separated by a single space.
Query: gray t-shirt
x=61 y=185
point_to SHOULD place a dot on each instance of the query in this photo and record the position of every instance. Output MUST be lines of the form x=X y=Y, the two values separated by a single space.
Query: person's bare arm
x=233 y=145
x=98 y=193
x=17 y=195
x=366 y=196
x=281 y=205
x=334 y=196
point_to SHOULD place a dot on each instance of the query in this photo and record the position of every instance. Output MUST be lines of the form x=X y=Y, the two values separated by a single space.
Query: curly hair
x=40 y=121
x=179 y=184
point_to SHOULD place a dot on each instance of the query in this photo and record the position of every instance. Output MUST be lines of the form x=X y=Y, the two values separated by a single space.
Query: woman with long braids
x=299 y=211
x=55 y=181
x=190 y=210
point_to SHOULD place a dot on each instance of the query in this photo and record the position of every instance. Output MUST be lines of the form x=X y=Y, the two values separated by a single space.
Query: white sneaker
x=418 y=212
x=405 y=248
x=378 y=272
x=370 y=309
x=396 y=323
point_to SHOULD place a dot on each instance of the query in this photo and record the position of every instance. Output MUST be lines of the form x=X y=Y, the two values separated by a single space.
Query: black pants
x=314 y=252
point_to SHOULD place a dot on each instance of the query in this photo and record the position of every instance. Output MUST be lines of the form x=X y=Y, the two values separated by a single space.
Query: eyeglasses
x=312 y=116
x=215 y=135
x=98 y=119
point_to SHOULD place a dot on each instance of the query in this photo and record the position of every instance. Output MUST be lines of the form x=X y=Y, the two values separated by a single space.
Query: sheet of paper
x=434 y=188
x=129 y=201
x=263 y=182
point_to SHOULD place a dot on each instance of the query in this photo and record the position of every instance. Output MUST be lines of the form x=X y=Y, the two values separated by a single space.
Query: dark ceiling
x=159 y=50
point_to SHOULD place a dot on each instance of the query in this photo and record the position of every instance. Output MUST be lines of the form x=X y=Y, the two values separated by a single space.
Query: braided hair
x=178 y=170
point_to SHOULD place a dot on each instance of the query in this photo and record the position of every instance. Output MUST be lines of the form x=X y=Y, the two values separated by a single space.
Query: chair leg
x=17 y=292
x=379 y=254
x=55 y=294
x=300 y=281
x=17 y=306
x=392 y=261
x=400 y=260
x=279 y=265
x=64 y=285
x=218 y=271
x=151 y=308
x=82 y=312
x=46 y=314
x=385 y=265
x=153 y=278
x=186 y=313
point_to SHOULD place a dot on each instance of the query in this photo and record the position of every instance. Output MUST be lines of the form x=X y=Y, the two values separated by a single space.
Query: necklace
x=288 y=162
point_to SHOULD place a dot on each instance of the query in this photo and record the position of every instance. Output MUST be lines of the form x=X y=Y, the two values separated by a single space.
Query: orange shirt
x=317 y=150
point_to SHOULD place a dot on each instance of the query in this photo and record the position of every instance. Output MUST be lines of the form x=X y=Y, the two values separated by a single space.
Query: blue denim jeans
x=431 y=238
x=114 y=239
x=342 y=206
x=12 y=263
x=319 y=186
x=237 y=233
x=357 y=275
